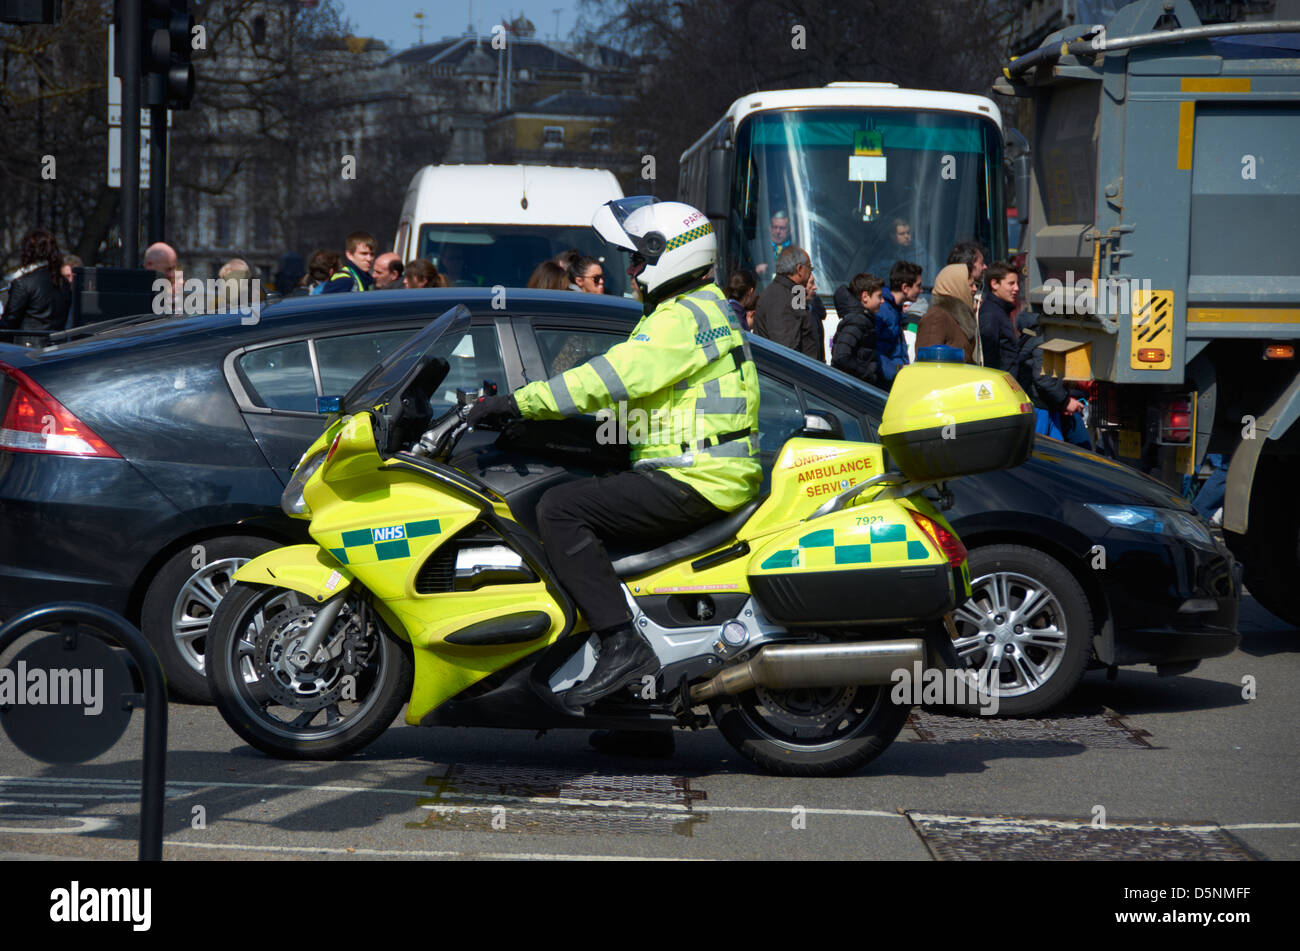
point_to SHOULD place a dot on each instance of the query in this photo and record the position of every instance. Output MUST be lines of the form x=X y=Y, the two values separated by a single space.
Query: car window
x=780 y=414
x=280 y=377
x=344 y=360
x=474 y=357
x=565 y=349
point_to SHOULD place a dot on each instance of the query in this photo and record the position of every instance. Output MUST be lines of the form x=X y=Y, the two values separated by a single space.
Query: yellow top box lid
x=928 y=395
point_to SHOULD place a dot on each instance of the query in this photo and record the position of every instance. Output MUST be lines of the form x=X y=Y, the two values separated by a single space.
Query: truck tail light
x=1151 y=355
x=1279 y=351
x=35 y=421
x=1176 y=422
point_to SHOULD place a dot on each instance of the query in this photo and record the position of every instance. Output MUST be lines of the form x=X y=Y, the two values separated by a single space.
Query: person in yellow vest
x=685 y=371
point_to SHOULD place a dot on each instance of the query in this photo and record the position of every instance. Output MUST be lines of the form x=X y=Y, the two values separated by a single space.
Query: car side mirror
x=818 y=424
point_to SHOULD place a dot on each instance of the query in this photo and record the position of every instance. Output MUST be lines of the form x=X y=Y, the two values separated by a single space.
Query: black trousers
x=576 y=519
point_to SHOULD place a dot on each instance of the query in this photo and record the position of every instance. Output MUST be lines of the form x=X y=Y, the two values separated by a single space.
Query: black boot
x=625 y=658
x=658 y=744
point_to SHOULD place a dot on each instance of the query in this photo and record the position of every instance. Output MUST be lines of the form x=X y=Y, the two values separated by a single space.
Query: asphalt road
x=1183 y=767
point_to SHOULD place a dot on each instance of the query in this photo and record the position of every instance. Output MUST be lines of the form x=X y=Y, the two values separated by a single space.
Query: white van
x=483 y=225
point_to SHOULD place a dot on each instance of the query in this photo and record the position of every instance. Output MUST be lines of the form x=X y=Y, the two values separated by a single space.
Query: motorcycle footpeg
x=681 y=707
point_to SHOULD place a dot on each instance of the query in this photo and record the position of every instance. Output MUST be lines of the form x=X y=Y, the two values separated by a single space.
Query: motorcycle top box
x=860 y=563
x=945 y=418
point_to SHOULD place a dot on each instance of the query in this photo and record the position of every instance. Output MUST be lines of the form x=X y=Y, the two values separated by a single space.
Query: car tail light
x=1176 y=423
x=35 y=421
x=946 y=541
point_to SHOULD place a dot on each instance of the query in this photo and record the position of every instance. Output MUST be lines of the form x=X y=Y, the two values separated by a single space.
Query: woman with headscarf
x=951 y=318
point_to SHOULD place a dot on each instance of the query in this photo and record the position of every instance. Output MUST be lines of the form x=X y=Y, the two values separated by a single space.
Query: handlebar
x=440 y=439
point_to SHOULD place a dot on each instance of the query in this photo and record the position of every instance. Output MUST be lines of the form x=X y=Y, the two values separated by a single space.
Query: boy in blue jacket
x=904 y=288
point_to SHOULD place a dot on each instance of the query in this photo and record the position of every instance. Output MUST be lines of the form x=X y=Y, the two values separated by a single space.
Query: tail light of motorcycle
x=34 y=421
x=946 y=541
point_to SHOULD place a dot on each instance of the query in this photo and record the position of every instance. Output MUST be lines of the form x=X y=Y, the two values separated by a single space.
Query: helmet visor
x=609 y=219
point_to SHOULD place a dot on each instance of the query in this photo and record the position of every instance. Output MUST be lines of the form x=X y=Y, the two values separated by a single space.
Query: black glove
x=492 y=409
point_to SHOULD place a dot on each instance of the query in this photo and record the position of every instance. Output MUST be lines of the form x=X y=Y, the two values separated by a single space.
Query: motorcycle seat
x=629 y=563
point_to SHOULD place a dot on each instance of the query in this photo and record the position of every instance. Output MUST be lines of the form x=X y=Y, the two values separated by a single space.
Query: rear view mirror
x=718 y=189
x=819 y=424
x=329 y=404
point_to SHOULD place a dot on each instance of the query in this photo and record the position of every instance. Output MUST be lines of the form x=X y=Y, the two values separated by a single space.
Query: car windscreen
x=507 y=255
x=392 y=373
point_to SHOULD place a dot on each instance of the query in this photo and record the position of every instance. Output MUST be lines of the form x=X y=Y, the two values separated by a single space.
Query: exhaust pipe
x=814 y=665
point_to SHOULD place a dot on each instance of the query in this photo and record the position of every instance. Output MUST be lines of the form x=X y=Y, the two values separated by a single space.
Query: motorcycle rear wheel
x=315 y=717
x=825 y=731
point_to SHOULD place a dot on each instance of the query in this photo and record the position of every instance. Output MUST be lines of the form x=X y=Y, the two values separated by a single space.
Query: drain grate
x=559 y=802
x=975 y=838
x=1106 y=731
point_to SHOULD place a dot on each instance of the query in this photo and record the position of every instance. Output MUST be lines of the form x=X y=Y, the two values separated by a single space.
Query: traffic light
x=165 y=53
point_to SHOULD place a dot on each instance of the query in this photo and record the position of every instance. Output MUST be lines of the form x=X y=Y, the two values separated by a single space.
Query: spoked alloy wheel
x=181 y=600
x=818 y=731
x=1027 y=628
x=337 y=703
x=196 y=603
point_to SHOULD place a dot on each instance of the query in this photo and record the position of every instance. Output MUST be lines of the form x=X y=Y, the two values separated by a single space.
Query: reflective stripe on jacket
x=680 y=382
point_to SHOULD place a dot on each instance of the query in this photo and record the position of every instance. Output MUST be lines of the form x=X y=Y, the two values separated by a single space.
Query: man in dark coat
x=1051 y=397
x=854 y=347
x=782 y=311
x=997 y=331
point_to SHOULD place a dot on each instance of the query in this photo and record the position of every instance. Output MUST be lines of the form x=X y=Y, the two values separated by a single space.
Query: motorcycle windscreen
x=387 y=378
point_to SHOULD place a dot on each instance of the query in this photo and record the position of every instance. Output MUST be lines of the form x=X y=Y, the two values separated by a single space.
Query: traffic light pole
x=157 y=173
x=130 y=12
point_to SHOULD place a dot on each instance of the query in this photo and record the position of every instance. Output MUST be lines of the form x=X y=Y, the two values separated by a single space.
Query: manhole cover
x=1107 y=731
x=967 y=838
x=559 y=802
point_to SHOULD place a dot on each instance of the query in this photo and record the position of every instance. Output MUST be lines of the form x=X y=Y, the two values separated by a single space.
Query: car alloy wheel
x=1028 y=624
x=1015 y=624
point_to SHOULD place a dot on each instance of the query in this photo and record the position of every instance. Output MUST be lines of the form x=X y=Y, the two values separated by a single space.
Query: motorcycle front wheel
x=349 y=694
x=820 y=731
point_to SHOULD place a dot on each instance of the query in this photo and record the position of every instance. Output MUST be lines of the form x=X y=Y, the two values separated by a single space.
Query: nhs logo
x=391 y=533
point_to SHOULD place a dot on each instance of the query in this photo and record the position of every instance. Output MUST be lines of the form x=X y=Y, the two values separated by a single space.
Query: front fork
x=320 y=626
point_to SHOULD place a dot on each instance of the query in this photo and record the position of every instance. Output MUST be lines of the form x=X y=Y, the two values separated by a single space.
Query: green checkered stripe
x=359 y=546
x=819 y=549
x=717 y=333
x=686 y=236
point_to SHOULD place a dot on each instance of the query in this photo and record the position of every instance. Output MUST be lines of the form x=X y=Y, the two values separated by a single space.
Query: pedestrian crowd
x=973 y=307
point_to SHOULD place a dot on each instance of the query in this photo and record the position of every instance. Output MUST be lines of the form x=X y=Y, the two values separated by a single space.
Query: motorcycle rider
x=687 y=367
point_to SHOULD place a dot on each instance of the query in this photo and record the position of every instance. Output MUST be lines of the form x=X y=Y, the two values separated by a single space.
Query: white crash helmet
x=676 y=240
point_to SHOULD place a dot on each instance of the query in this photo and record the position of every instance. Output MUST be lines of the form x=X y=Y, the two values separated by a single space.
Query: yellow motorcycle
x=788 y=619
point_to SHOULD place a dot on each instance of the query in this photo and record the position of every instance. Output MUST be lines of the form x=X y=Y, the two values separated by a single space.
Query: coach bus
x=857 y=174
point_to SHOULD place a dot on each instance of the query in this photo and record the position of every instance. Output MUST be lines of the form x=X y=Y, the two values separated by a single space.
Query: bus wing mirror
x=719 y=188
x=1021 y=166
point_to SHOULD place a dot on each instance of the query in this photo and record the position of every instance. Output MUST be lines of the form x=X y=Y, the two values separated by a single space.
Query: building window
x=600 y=140
x=553 y=137
x=259 y=30
x=261 y=229
x=224 y=237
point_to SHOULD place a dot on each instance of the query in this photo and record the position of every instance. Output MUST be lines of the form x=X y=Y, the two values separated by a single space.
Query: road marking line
x=448 y=802
x=995 y=825
x=48 y=805
x=88 y=824
x=427 y=793
x=425 y=853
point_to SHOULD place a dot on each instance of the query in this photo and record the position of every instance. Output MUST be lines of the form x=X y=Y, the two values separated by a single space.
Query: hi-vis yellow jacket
x=682 y=390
